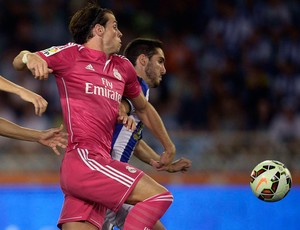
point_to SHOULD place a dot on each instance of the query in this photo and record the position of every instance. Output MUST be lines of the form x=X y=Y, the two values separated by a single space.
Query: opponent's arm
x=124 y=118
x=37 y=65
x=52 y=138
x=153 y=122
x=40 y=104
x=146 y=154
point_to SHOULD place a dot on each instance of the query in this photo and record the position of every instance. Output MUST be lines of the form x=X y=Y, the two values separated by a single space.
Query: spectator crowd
x=231 y=65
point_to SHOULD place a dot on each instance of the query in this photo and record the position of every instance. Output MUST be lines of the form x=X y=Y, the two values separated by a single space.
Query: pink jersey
x=90 y=88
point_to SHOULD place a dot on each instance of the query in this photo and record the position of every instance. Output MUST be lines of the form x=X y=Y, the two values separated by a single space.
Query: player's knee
x=166 y=196
x=164 y=199
x=145 y=214
x=144 y=189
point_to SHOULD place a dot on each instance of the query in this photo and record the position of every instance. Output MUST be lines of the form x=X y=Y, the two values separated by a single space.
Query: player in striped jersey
x=51 y=138
x=148 y=58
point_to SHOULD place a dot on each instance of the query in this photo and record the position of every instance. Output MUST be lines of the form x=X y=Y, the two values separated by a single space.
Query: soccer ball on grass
x=270 y=181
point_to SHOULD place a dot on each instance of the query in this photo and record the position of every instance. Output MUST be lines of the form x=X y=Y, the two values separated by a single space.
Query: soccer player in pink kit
x=91 y=80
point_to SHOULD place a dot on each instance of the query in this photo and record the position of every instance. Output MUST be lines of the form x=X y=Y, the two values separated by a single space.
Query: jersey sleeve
x=132 y=86
x=58 y=57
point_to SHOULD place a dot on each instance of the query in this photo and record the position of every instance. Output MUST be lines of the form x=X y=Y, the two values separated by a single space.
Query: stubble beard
x=153 y=81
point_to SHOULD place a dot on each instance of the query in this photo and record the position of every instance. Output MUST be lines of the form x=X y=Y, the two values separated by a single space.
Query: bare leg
x=79 y=226
x=151 y=200
x=145 y=188
x=158 y=226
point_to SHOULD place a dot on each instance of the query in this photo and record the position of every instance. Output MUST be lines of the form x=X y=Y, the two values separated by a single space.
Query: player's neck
x=96 y=46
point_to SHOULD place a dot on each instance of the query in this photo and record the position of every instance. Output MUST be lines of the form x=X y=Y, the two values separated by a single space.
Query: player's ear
x=98 y=29
x=143 y=59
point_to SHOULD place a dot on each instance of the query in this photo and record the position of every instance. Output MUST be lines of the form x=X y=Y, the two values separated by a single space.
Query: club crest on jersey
x=137 y=135
x=117 y=74
x=131 y=169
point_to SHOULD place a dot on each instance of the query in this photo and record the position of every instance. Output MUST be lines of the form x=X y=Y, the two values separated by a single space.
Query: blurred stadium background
x=230 y=99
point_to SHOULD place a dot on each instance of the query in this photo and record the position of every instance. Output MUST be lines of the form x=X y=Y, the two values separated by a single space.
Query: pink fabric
x=92 y=183
x=144 y=215
x=90 y=89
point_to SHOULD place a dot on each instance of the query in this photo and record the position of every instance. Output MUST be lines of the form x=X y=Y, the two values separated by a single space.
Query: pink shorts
x=92 y=183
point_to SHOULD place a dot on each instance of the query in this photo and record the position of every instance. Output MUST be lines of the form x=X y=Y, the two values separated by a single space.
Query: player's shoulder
x=121 y=59
x=68 y=48
x=123 y=63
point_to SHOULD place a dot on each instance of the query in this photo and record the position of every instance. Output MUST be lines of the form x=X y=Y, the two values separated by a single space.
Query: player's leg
x=79 y=226
x=151 y=201
x=124 y=182
x=107 y=225
x=159 y=226
x=145 y=188
x=116 y=218
x=80 y=214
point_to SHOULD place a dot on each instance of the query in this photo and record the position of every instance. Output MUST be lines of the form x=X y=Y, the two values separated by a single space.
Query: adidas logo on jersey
x=90 y=67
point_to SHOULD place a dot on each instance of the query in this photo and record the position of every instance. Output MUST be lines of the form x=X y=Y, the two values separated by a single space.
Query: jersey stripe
x=69 y=112
x=106 y=170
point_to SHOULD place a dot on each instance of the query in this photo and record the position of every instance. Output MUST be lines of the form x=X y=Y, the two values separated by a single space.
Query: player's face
x=112 y=36
x=155 y=69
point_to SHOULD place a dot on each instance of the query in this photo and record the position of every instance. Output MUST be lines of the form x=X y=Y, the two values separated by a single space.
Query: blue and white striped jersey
x=124 y=141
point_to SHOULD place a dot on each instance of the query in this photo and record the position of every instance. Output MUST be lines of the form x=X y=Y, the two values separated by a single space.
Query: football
x=270 y=181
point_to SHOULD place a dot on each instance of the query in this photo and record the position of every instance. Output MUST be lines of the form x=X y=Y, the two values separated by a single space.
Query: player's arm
x=34 y=62
x=124 y=118
x=153 y=122
x=146 y=154
x=52 y=138
x=40 y=104
x=126 y=106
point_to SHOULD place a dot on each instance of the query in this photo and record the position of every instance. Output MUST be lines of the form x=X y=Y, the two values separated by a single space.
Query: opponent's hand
x=40 y=104
x=127 y=121
x=180 y=165
x=123 y=118
x=167 y=156
x=54 y=138
x=38 y=66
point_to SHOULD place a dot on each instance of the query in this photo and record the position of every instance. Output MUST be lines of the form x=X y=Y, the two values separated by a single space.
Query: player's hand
x=38 y=66
x=166 y=159
x=180 y=165
x=54 y=138
x=123 y=118
x=40 y=104
x=127 y=121
x=168 y=155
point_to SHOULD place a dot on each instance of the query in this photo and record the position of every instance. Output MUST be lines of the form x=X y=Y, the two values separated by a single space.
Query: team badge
x=117 y=74
x=131 y=169
x=55 y=49
x=50 y=51
x=137 y=135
